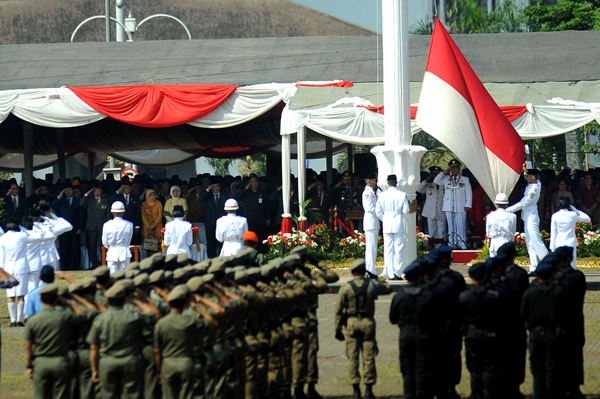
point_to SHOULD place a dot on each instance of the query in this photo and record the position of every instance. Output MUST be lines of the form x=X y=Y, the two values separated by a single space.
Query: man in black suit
x=97 y=209
x=132 y=209
x=319 y=204
x=215 y=203
x=255 y=204
x=15 y=206
x=67 y=206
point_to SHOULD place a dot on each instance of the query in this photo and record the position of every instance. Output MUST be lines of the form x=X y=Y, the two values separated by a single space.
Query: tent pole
x=60 y=152
x=350 y=158
x=91 y=164
x=301 y=151
x=28 y=157
x=329 y=161
x=286 y=223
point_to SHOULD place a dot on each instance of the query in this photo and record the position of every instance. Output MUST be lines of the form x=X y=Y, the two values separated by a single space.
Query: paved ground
x=333 y=365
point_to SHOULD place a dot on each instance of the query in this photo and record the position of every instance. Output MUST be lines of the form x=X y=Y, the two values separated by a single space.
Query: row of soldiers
x=222 y=328
x=436 y=310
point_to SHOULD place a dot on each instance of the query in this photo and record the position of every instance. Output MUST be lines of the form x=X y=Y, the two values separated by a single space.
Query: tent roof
x=497 y=58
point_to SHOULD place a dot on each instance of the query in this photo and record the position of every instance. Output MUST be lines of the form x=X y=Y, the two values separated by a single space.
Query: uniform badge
x=367 y=195
x=343 y=198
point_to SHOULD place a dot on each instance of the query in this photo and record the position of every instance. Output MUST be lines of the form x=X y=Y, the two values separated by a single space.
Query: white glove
x=526 y=149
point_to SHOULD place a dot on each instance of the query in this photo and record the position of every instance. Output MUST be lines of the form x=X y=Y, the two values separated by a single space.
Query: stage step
x=465 y=255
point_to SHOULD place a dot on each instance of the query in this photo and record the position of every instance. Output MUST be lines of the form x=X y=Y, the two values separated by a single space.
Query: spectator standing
x=132 y=209
x=152 y=211
x=255 y=204
x=587 y=198
x=215 y=204
x=175 y=199
x=15 y=206
x=67 y=206
x=96 y=208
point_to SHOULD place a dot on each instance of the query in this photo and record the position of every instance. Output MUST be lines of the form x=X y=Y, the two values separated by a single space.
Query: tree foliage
x=565 y=15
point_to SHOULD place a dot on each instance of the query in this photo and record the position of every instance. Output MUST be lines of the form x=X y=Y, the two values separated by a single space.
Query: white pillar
x=490 y=6
x=442 y=11
x=397 y=156
x=285 y=173
x=301 y=155
x=120 y=16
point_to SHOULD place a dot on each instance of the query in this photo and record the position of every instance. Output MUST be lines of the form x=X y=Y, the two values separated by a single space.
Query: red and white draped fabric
x=457 y=110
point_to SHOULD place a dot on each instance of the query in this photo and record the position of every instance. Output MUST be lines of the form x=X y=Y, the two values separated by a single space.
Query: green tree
x=565 y=15
x=256 y=163
x=221 y=166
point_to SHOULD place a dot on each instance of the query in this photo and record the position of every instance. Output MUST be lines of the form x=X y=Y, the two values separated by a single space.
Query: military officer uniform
x=230 y=229
x=391 y=205
x=174 y=338
x=370 y=226
x=432 y=209
x=49 y=332
x=500 y=225
x=116 y=236
x=115 y=335
x=345 y=198
x=457 y=197
x=355 y=310
x=178 y=234
x=529 y=213
x=562 y=230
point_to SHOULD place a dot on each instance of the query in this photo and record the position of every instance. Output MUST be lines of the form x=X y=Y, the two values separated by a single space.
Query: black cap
x=477 y=271
x=533 y=172
x=454 y=162
x=435 y=169
x=392 y=178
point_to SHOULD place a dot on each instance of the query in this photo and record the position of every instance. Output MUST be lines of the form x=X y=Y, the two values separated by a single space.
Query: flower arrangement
x=421 y=238
x=281 y=244
x=352 y=247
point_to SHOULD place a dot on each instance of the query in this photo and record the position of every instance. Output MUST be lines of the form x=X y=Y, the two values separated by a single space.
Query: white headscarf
x=175 y=188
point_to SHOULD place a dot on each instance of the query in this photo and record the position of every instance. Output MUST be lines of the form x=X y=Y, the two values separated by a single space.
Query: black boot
x=299 y=393
x=369 y=392
x=357 y=393
x=312 y=392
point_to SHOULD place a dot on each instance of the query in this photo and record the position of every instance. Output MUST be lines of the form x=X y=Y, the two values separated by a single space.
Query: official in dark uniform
x=255 y=208
x=354 y=311
x=345 y=197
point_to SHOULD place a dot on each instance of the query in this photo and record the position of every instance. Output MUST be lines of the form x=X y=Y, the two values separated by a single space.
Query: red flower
x=579 y=246
x=307 y=243
x=517 y=239
x=344 y=241
x=363 y=240
x=270 y=241
x=290 y=244
x=577 y=239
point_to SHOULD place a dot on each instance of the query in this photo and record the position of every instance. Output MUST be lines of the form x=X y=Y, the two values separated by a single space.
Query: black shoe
x=299 y=393
x=312 y=392
x=397 y=278
x=13 y=324
x=356 y=393
x=20 y=324
x=371 y=275
x=369 y=392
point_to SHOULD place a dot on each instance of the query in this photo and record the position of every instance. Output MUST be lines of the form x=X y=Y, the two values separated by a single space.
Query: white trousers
x=393 y=244
x=496 y=243
x=535 y=247
x=436 y=228
x=371 y=238
x=457 y=224
x=116 y=266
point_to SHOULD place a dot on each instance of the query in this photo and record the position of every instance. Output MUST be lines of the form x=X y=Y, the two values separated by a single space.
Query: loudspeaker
x=365 y=163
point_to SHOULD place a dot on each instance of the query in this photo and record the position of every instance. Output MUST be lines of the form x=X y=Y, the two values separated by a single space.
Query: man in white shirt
x=391 y=204
x=116 y=236
x=178 y=233
x=230 y=229
x=432 y=209
x=457 y=202
x=562 y=227
x=500 y=225
x=370 y=223
x=529 y=213
x=48 y=251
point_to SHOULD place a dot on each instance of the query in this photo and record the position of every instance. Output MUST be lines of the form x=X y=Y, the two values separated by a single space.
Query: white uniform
x=371 y=227
x=230 y=231
x=500 y=227
x=13 y=258
x=116 y=236
x=432 y=209
x=562 y=230
x=34 y=253
x=178 y=237
x=391 y=204
x=529 y=213
x=457 y=197
x=49 y=252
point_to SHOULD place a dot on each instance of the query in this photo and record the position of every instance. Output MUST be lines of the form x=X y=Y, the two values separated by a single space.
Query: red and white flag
x=458 y=111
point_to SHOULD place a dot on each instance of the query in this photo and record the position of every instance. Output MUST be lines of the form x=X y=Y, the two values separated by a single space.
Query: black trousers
x=69 y=250
x=484 y=355
x=546 y=356
x=416 y=363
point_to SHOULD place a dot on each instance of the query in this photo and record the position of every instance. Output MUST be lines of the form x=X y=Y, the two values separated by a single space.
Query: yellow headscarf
x=148 y=192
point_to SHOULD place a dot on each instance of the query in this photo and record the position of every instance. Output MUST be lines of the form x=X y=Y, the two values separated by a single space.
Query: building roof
x=496 y=58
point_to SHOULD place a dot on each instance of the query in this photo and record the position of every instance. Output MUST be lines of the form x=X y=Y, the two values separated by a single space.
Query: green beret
x=179 y=274
x=218 y=265
x=171 y=261
x=183 y=259
x=101 y=271
x=230 y=272
x=253 y=271
x=117 y=291
x=147 y=265
x=196 y=284
x=63 y=290
x=267 y=270
x=189 y=270
x=240 y=277
x=180 y=292
x=75 y=287
x=157 y=276
x=51 y=289
x=358 y=265
x=120 y=275
x=132 y=266
x=130 y=274
x=291 y=262
x=127 y=284
x=141 y=280
x=88 y=283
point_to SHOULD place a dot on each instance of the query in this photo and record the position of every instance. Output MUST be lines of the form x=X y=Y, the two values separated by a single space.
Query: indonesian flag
x=457 y=110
